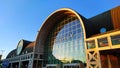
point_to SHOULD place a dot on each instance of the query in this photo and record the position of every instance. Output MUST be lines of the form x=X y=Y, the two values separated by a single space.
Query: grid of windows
x=65 y=43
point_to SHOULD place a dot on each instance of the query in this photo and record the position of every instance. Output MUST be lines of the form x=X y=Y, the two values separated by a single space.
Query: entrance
x=71 y=66
x=24 y=64
x=110 y=58
x=74 y=65
x=15 y=65
x=53 y=66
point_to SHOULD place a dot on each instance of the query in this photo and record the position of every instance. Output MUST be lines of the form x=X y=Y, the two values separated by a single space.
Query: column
x=19 y=64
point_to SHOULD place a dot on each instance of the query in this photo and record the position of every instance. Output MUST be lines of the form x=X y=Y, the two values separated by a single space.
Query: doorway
x=52 y=66
x=73 y=65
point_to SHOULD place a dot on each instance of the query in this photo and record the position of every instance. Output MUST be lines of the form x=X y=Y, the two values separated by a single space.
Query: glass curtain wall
x=65 y=43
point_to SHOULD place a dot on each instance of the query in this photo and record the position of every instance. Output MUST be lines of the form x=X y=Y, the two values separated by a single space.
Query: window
x=90 y=44
x=115 y=40
x=102 y=30
x=26 y=52
x=68 y=44
x=102 y=42
x=41 y=56
x=35 y=55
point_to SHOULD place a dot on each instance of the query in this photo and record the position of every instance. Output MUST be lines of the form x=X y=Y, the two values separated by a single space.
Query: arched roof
x=12 y=53
x=27 y=48
x=51 y=21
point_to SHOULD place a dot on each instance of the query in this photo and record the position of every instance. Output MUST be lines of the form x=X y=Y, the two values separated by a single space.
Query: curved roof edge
x=52 y=19
x=12 y=53
x=27 y=47
x=80 y=17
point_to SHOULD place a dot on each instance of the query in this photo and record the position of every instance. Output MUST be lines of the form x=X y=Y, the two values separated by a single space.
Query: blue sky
x=21 y=19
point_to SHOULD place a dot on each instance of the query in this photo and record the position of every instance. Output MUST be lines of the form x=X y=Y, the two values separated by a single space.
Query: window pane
x=102 y=42
x=90 y=44
x=115 y=40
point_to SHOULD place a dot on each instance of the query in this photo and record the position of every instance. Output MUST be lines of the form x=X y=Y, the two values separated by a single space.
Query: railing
x=20 y=57
x=25 y=57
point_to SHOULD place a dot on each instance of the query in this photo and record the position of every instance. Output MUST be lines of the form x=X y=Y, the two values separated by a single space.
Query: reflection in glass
x=90 y=44
x=67 y=45
x=115 y=40
x=102 y=42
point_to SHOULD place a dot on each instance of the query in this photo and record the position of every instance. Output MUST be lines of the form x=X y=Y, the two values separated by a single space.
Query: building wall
x=115 y=15
x=110 y=20
x=0 y=57
x=103 y=20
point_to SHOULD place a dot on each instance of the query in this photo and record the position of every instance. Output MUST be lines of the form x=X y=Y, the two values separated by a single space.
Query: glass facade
x=65 y=43
x=19 y=47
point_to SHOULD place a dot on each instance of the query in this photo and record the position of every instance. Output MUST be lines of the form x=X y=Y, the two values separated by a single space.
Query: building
x=68 y=40
x=0 y=61
x=0 y=57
